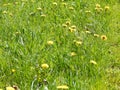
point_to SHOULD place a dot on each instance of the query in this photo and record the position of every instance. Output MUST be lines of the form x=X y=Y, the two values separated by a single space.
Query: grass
x=79 y=43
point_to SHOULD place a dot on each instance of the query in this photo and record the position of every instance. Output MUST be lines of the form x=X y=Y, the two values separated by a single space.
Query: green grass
x=25 y=31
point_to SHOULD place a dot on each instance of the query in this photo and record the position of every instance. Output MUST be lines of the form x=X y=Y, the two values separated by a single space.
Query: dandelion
x=50 y=42
x=39 y=8
x=64 y=4
x=64 y=25
x=103 y=37
x=97 y=5
x=73 y=54
x=54 y=3
x=73 y=27
x=43 y=15
x=13 y=70
x=45 y=66
x=88 y=32
x=93 y=62
x=4 y=12
x=11 y=14
x=78 y=42
x=96 y=35
x=10 y=88
x=71 y=8
x=72 y=30
x=107 y=8
x=63 y=87
x=68 y=23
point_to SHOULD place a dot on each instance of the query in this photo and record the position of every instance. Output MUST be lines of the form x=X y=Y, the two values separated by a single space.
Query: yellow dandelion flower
x=98 y=9
x=64 y=25
x=73 y=27
x=13 y=70
x=43 y=15
x=71 y=8
x=54 y=3
x=63 y=87
x=78 y=42
x=93 y=62
x=45 y=66
x=107 y=8
x=65 y=4
x=73 y=54
x=1 y=89
x=4 y=12
x=10 y=88
x=97 y=5
x=68 y=23
x=39 y=8
x=103 y=37
x=88 y=11
x=50 y=42
x=96 y=35
x=88 y=32
x=11 y=14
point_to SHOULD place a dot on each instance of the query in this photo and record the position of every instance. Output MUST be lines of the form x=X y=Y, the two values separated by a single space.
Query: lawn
x=59 y=44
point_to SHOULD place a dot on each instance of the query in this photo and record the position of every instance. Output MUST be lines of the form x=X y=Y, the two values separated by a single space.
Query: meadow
x=59 y=44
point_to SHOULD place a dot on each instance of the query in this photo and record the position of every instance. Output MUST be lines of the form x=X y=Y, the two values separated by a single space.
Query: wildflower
x=39 y=8
x=88 y=32
x=67 y=23
x=73 y=27
x=73 y=54
x=88 y=11
x=64 y=25
x=13 y=70
x=10 y=88
x=72 y=30
x=93 y=62
x=4 y=12
x=107 y=8
x=50 y=42
x=96 y=35
x=11 y=14
x=45 y=66
x=97 y=5
x=62 y=87
x=65 y=4
x=71 y=8
x=78 y=42
x=54 y=3
x=43 y=15
x=103 y=37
